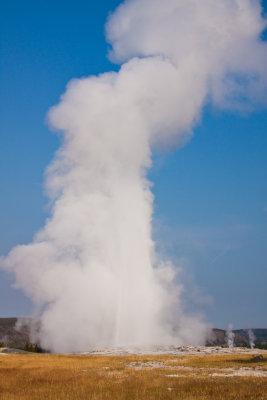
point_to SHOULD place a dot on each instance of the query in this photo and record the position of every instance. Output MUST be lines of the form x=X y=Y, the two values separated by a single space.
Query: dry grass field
x=101 y=377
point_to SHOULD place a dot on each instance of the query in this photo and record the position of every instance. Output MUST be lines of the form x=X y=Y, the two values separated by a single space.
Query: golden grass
x=97 y=377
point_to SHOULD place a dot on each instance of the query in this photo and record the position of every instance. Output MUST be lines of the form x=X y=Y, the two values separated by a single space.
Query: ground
x=197 y=374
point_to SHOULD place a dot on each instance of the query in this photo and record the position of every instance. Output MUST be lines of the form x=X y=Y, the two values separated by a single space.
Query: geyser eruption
x=92 y=271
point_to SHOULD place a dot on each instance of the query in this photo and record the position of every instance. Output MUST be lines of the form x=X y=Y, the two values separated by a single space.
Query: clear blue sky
x=211 y=203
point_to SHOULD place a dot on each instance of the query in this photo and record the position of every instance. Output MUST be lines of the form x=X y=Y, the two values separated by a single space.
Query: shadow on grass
x=253 y=360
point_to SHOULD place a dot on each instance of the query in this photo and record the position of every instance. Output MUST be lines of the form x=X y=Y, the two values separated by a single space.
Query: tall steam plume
x=92 y=271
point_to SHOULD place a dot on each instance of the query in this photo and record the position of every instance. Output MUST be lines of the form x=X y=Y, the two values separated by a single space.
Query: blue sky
x=210 y=196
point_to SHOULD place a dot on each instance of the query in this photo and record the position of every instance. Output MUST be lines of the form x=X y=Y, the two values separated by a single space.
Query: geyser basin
x=94 y=260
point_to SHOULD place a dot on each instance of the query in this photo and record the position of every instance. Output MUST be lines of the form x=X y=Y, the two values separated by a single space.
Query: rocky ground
x=176 y=350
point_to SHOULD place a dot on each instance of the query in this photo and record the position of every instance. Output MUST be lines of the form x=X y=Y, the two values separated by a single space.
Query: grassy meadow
x=99 y=377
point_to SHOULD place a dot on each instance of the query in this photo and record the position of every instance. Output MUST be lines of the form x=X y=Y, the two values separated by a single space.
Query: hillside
x=218 y=337
x=10 y=336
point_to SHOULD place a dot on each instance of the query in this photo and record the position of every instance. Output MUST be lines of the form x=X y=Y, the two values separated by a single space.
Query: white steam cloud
x=92 y=271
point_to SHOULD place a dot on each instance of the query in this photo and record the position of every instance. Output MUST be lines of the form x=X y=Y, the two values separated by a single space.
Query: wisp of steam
x=230 y=336
x=251 y=338
x=92 y=271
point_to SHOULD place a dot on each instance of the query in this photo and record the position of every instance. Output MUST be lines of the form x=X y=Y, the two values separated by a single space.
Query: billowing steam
x=92 y=271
